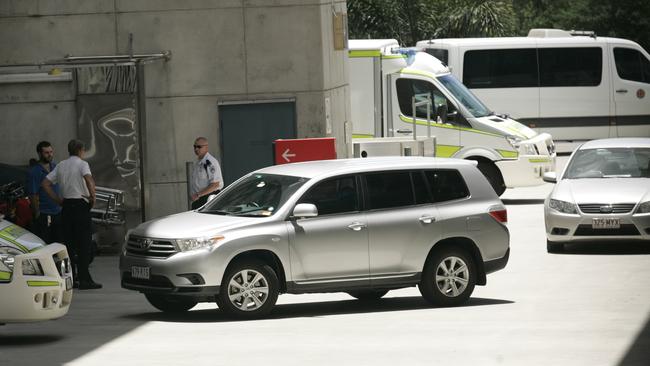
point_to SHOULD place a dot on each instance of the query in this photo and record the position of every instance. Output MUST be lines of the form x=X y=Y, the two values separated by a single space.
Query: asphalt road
x=588 y=306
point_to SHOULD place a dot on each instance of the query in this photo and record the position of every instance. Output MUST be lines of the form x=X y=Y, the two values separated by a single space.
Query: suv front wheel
x=448 y=278
x=249 y=290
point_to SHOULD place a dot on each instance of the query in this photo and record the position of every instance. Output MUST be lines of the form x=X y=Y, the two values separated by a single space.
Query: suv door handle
x=622 y=91
x=356 y=226
x=427 y=219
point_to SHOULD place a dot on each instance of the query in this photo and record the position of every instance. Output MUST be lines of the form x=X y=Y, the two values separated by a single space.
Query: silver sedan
x=602 y=195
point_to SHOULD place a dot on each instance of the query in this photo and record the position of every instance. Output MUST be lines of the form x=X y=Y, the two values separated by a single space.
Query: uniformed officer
x=206 y=174
x=77 y=198
x=46 y=212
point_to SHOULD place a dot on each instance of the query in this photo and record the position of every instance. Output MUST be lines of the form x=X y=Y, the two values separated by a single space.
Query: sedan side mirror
x=550 y=177
x=305 y=210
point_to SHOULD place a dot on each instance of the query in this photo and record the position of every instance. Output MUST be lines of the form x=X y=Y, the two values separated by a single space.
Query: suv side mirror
x=305 y=210
x=550 y=177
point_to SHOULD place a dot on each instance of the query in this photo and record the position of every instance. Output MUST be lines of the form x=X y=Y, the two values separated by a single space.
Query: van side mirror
x=305 y=210
x=550 y=177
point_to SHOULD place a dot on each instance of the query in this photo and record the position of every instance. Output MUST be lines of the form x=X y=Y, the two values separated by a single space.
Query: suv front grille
x=137 y=245
x=604 y=208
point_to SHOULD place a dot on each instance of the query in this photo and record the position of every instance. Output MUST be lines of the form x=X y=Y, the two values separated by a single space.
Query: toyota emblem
x=145 y=243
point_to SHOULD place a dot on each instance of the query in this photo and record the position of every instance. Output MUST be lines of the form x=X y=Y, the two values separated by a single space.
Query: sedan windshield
x=465 y=96
x=609 y=163
x=255 y=195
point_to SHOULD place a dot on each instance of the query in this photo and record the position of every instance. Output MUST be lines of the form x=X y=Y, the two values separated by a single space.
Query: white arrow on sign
x=286 y=155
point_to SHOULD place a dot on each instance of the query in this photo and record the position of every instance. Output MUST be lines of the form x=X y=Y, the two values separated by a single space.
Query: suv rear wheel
x=249 y=290
x=448 y=278
x=171 y=303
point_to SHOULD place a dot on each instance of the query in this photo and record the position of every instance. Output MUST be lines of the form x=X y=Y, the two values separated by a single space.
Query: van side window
x=632 y=65
x=408 y=88
x=333 y=196
x=570 y=66
x=440 y=54
x=446 y=185
x=503 y=68
x=389 y=189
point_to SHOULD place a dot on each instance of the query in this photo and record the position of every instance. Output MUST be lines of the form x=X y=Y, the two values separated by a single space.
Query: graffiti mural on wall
x=107 y=124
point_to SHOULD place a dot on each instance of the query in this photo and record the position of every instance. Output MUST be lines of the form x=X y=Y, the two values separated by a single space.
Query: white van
x=385 y=80
x=573 y=85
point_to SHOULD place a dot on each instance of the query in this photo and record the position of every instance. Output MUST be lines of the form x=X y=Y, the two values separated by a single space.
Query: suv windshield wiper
x=216 y=212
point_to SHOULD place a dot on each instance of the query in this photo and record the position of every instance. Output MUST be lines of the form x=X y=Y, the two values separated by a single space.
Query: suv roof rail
x=583 y=33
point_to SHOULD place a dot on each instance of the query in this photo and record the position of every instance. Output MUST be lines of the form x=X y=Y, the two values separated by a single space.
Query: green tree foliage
x=476 y=18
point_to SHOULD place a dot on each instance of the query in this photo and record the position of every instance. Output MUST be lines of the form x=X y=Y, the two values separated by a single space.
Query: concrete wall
x=222 y=50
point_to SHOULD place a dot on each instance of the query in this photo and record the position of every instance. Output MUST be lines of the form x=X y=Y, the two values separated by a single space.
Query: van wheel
x=493 y=175
x=171 y=303
x=448 y=278
x=249 y=290
x=554 y=247
x=368 y=295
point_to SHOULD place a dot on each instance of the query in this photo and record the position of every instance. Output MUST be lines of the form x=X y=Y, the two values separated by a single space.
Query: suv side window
x=334 y=196
x=632 y=65
x=389 y=189
x=446 y=185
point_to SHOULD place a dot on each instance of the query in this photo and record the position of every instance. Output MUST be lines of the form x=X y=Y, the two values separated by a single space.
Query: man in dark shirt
x=47 y=213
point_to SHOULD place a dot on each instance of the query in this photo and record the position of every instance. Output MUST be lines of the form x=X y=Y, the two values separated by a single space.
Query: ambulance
x=404 y=92
x=35 y=279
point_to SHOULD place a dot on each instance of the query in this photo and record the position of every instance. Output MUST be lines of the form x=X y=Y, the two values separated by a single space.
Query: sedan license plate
x=140 y=272
x=608 y=223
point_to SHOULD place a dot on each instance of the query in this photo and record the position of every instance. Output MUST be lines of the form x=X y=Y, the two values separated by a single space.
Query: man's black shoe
x=89 y=286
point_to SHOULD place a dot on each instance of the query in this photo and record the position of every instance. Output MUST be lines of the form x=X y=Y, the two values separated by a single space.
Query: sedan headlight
x=644 y=207
x=562 y=206
x=185 y=245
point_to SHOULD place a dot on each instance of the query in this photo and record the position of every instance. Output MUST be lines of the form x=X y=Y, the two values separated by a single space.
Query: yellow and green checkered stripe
x=445 y=151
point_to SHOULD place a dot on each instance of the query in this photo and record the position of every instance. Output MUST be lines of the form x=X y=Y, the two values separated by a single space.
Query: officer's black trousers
x=77 y=228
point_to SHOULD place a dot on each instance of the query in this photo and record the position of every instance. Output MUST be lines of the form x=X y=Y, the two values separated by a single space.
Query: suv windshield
x=255 y=195
x=609 y=163
x=465 y=96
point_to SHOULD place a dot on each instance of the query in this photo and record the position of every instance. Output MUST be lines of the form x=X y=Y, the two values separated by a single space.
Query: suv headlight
x=562 y=206
x=644 y=207
x=185 y=245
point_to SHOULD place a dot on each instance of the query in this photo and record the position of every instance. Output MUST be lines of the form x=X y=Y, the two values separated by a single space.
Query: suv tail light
x=500 y=214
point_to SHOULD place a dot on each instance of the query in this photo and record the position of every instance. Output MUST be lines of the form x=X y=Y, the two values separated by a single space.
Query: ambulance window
x=440 y=54
x=570 y=66
x=507 y=68
x=632 y=65
x=420 y=89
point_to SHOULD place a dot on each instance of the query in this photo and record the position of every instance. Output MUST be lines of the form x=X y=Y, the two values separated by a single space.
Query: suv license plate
x=140 y=272
x=608 y=223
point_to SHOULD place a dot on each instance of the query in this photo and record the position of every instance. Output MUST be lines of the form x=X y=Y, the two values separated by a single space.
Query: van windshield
x=258 y=195
x=465 y=96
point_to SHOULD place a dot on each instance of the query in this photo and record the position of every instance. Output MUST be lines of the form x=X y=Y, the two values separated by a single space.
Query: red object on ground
x=23 y=212
x=296 y=150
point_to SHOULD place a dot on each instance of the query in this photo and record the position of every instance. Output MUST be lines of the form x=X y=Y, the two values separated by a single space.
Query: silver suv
x=361 y=226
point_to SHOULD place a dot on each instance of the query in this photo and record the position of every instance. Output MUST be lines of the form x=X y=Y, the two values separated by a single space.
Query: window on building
x=502 y=68
x=570 y=66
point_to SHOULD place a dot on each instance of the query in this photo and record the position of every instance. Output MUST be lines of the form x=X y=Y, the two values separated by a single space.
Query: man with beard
x=46 y=212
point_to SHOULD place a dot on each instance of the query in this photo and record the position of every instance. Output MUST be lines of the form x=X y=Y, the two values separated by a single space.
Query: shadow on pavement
x=511 y=201
x=315 y=309
x=612 y=248
x=28 y=339
x=639 y=352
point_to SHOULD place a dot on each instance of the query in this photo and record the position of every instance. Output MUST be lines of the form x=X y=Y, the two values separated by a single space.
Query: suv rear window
x=389 y=189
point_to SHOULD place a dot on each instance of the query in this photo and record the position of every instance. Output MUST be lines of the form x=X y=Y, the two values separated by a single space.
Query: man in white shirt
x=77 y=188
x=206 y=174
